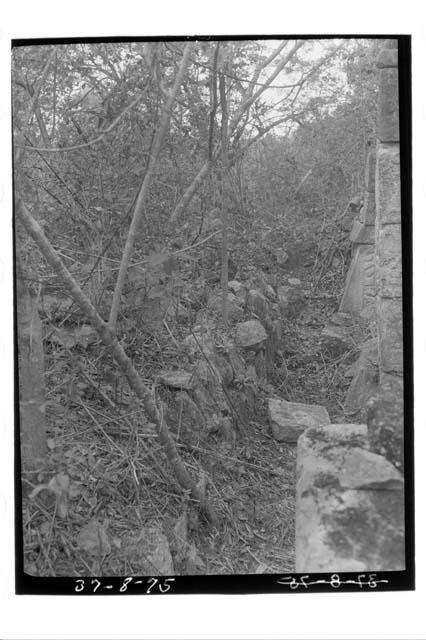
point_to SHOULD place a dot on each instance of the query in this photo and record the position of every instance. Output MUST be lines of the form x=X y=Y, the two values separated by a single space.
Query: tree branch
x=137 y=215
x=125 y=364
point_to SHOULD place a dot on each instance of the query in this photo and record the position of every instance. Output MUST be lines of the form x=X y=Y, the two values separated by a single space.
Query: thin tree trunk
x=137 y=215
x=224 y=203
x=125 y=364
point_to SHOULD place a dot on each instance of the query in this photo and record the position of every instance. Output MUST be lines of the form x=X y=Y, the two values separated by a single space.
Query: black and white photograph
x=212 y=272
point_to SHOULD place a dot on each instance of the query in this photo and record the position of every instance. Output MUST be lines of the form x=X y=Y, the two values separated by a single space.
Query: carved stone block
x=389 y=325
x=389 y=261
x=388 y=129
x=388 y=188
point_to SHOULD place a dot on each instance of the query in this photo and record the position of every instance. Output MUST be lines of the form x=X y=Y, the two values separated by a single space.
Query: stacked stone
x=386 y=421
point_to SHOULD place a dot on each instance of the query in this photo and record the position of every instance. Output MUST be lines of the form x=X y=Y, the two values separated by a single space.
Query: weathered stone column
x=386 y=421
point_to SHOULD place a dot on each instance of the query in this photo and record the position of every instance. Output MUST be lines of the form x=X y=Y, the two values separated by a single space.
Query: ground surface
x=119 y=477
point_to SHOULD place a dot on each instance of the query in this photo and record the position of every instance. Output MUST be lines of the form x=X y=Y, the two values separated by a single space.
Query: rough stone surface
x=389 y=324
x=365 y=372
x=177 y=379
x=368 y=211
x=289 y=420
x=385 y=420
x=360 y=287
x=362 y=233
x=345 y=529
x=238 y=289
x=388 y=189
x=250 y=335
x=387 y=58
x=388 y=126
x=363 y=469
x=370 y=172
x=389 y=261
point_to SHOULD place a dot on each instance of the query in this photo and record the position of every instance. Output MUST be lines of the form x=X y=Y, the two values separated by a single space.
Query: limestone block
x=370 y=172
x=356 y=227
x=365 y=378
x=344 y=522
x=387 y=58
x=362 y=233
x=368 y=211
x=389 y=261
x=238 y=289
x=385 y=419
x=360 y=287
x=388 y=188
x=289 y=420
x=388 y=116
x=177 y=379
x=389 y=325
x=363 y=469
x=250 y=335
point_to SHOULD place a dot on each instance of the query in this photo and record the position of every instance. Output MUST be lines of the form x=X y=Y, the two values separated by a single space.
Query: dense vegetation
x=158 y=172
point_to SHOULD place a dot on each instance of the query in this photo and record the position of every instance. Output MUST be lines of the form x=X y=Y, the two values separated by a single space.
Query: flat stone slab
x=349 y=504
x=177 y=379
x=360 y=289
x=289 y=420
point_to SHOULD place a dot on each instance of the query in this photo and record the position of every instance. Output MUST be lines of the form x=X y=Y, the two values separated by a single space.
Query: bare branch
x=33 y=103
x=94 y=140
x=142 y=392
x=137 y=215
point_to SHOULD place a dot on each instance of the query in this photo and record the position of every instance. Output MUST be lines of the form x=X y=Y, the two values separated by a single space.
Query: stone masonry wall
x=386 y=420
x=350 y=485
